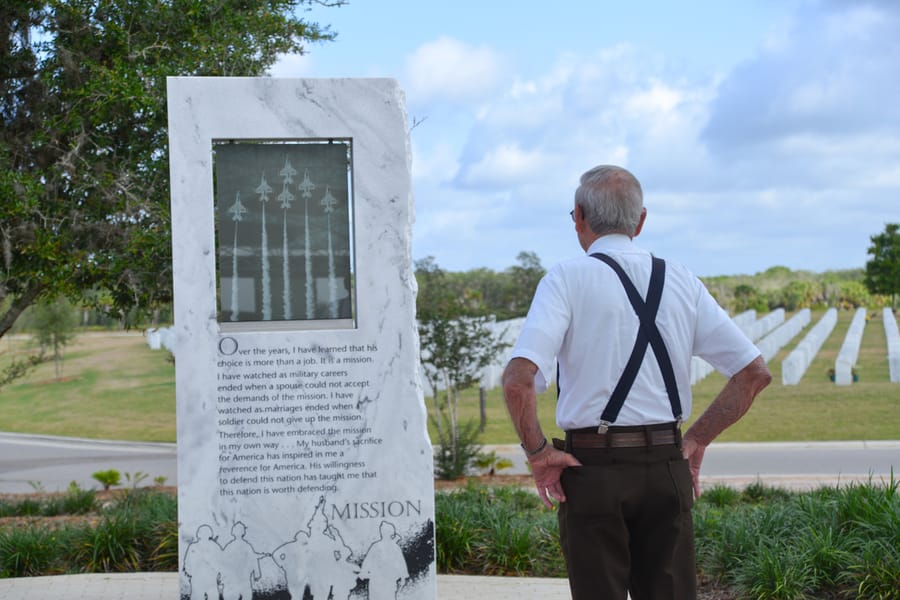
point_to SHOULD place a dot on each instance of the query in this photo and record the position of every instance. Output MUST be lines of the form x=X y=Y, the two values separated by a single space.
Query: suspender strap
x=648 y=334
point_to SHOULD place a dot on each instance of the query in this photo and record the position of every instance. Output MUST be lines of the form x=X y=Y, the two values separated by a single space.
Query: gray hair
x=611 y=199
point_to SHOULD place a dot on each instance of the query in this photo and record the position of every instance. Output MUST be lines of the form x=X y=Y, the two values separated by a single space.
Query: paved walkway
x=164 y=586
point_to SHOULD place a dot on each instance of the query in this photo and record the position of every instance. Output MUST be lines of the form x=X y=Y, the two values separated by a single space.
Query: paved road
x=51 y=462
x=795 y=465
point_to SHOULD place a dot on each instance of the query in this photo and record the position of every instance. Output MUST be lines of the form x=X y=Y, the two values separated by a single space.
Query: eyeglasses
x=572 y=214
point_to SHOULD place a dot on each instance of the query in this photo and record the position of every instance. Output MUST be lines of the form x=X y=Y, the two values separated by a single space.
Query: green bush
x=134 y=534
x=454 y=457
x=137 y=532
x=112 y=546
x=762 y=543
x=496 y=531
x=827 y=543
x=721 y=495
x=108 y=478
x=31 y=551
x=75 y=501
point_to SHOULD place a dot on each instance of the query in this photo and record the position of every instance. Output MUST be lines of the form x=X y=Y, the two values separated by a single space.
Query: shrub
x=108 y=478
x=829 y=543
x=721 y=495
x=134 y=534
x=496 y=531
x=31 y=551
x=454 y=457
x=75 y=501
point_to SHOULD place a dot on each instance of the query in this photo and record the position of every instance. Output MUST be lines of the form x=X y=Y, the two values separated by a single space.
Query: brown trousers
x=626 y=525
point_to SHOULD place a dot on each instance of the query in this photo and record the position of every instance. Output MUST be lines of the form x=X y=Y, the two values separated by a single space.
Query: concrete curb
x=164 y=586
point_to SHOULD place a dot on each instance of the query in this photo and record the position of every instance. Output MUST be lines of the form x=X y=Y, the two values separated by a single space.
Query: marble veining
x=304 y=460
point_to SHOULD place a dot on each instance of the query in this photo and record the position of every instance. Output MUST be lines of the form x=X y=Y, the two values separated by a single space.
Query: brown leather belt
x=623 y=439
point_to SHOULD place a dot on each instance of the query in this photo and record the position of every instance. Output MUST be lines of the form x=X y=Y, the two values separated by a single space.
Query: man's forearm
x=521 y=402
x=732 y=402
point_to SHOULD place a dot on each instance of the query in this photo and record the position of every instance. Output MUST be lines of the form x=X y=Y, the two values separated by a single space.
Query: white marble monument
x=304 y=465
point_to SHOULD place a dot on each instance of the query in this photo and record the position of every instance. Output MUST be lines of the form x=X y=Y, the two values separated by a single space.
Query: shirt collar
x=614 y=241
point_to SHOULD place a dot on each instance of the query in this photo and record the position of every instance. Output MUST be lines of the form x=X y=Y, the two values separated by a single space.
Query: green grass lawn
x=115 y=387
x=111 y=387
x=814 y=410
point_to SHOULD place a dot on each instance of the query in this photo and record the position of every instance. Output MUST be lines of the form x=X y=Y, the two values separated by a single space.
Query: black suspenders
x=648 y=334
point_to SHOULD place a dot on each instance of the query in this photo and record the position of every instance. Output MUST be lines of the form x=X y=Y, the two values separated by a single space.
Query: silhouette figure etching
x=316 y=563
x=384 y=565
x=317 y=558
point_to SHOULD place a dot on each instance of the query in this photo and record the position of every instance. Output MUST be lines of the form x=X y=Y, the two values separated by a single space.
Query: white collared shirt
x=581 y=317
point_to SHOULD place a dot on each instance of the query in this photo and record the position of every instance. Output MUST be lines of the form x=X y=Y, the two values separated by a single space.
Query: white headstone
x=303 y=456
x=893 y=343
x=781 y=335
x=797 y=362
x=846 y=358
x=153 y=339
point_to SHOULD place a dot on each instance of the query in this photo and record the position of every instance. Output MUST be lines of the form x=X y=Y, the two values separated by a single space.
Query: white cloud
x=437 y=163
x=505 y=164
x=832 y=73
x=788 y=159
x=292 y=65
x=553 y=127
x=448 y=70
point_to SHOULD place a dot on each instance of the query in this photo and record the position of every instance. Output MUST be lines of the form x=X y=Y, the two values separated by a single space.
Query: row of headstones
x=759 y=328
x=751 y=326
x=797 y=362
x=893 y=344
x=508 y=332
x=163 y=337
x=781 y=335
x=770 y=331
x=846 y=358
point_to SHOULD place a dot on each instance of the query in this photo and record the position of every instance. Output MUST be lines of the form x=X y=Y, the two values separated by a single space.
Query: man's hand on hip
x=547 y=467
x=693 y=451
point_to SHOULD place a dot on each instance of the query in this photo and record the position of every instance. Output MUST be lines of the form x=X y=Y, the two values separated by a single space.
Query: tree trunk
x=482 y=407
x=18 y=305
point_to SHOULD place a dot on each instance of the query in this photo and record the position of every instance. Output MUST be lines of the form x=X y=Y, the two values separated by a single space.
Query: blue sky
x=764 y=132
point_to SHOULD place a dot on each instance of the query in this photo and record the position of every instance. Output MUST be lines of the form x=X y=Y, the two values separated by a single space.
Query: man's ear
x=640 y=225
x=578 y=218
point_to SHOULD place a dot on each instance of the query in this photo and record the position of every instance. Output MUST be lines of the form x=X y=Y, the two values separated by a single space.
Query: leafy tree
x=777 y=271
x=883 y=269
x=83 y=143
x=853 y=294
x=747 y=297
x=525 y=277
x=504 y=295
x=799 y=294
x=54 y=324
x=18 y=367
x=455 y=347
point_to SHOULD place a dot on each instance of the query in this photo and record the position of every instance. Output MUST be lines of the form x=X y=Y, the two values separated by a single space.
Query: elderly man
x=618 y=327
